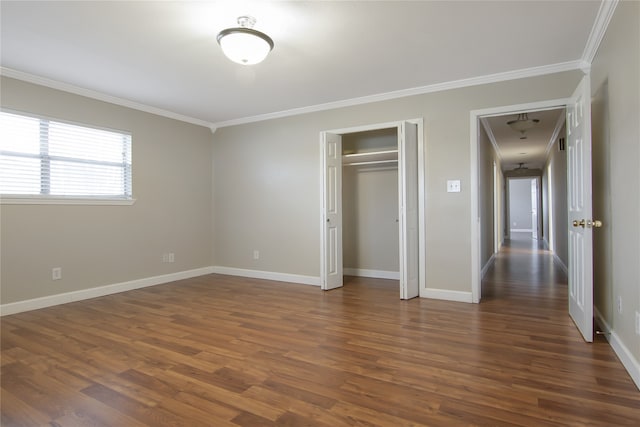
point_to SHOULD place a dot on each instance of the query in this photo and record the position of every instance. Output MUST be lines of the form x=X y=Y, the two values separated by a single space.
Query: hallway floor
x=525 y=269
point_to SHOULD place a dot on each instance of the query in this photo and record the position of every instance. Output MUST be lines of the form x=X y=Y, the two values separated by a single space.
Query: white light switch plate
x=453 y=186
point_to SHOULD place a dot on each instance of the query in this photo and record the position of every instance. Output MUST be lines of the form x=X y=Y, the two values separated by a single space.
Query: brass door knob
x=587 y=223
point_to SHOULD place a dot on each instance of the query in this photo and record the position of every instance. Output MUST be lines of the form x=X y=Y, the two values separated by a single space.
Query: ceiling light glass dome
x=243 y=44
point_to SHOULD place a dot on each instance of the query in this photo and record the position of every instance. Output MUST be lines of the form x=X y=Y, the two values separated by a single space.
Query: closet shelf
x=370 y=158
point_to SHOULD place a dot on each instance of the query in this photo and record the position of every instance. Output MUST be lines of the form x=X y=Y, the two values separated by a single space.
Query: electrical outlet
x=256 y=254
x=165 y=257
x=172 y=257
x=637 y=322
x=56 y=273
x=453 y=186
x=619 y=305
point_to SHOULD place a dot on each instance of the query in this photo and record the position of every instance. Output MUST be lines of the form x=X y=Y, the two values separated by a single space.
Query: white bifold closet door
x=332 y=226
x=331 y=252
x=408 y=209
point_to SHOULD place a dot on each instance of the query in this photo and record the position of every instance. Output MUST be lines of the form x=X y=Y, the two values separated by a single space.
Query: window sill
x=31 y=200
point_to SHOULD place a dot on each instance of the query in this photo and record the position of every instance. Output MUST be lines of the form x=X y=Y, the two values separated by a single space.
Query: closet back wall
x=370 y=208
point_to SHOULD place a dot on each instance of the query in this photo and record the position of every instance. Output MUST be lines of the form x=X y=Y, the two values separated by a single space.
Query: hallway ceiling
x=531 y=151
x=164 y=54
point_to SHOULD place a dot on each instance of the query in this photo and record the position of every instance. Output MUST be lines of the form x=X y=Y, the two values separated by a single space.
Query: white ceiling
x=164 y=55
x=533 y=150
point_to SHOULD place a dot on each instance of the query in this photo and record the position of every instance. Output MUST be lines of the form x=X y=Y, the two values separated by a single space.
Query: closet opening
x=370 y=234
x=372 y=205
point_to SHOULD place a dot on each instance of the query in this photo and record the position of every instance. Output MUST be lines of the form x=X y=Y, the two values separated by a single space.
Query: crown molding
x=605 y=12
x=66 y=87
x=438 y=87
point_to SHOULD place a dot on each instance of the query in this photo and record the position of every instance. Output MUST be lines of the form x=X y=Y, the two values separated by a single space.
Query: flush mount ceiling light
x=243 y=44
x=522 y=123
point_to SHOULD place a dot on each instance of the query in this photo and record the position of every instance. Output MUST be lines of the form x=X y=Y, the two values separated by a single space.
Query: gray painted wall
x=556 y=225
x=616 y=140
x=266 y=180
x=104 y=245
x=486 y=158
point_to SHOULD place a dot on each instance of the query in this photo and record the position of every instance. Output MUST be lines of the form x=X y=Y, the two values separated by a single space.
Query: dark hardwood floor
x=227 y=351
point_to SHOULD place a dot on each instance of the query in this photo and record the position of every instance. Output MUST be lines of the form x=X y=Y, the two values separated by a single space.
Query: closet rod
x=373 y=162
x=370 y=153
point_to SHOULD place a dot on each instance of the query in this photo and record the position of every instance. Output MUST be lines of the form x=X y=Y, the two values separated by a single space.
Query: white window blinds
x=46 y=158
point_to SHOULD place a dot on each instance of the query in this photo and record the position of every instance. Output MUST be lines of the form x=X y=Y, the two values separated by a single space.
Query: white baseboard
x=51 y=300
x=376 y=274
x=267 y=275
x=630 y=363
x=443 y=294
x=487 y=265
x=561 y=264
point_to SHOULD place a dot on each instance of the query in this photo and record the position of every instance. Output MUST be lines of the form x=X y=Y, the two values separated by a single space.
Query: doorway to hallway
x=576 y=121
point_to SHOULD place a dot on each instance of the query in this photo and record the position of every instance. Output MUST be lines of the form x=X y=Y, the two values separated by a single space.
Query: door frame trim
x=474 y=156
x=421 y=191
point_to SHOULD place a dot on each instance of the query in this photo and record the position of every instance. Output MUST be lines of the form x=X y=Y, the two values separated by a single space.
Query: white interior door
x=580 y=215
x=332 y=218
x=408 y=209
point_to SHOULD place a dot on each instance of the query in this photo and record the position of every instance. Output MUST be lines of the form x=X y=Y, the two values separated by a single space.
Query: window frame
x=48 y=199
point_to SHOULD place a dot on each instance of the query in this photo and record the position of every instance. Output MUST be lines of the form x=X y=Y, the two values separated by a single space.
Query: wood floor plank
x=249 y=419
x=201 y=387
x=362 y=416
x=222 y=351
x=218 y=414
x=17 y=413
x=297 y=410
x=147 y=414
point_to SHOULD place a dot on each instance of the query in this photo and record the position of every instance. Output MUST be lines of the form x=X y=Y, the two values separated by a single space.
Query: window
x=42 y=158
